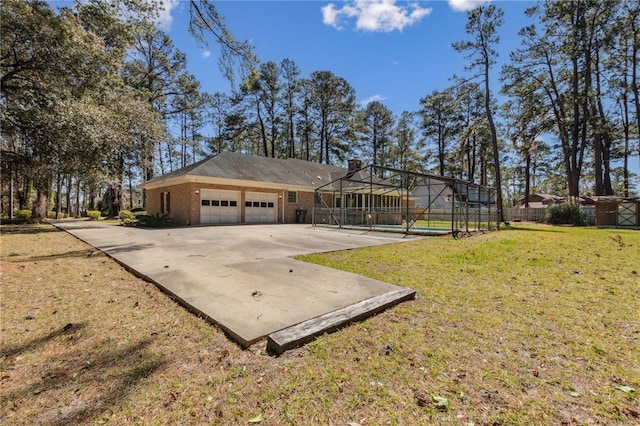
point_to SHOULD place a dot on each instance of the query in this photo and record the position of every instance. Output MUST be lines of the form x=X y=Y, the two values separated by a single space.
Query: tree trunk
x=41 y=205
x=597 y=164
x=494 y=143
x=91 y=205
x=77 y=213
x=58 y=196
x=68 y=195
x=527 y=179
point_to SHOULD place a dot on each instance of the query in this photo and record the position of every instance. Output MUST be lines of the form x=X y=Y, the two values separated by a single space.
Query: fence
x=524 y=214
x=536 y=214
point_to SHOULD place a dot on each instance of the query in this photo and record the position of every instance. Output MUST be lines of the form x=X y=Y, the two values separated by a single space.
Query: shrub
x=566 y=214
x=154 y=221
x=126 y=216
x=93 y=214
x=23 y=214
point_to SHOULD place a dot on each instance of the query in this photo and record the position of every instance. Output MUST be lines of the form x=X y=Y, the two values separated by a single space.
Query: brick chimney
x=355 y=165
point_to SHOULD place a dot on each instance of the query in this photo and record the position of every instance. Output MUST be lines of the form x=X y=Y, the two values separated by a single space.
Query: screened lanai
x=385 y=199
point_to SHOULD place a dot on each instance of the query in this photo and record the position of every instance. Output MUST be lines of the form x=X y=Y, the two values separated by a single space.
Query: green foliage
x=566 y=214
x=23 y=214
x=154 y=221
x=94 y=214
x=127 y=217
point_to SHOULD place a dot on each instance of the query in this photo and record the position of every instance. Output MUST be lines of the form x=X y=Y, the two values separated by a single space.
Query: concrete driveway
x=242 y=277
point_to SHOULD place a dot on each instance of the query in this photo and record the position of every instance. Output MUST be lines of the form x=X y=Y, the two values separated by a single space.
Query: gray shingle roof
x=232 y=165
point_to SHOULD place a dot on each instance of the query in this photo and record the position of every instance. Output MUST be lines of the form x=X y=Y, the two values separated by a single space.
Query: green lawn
x=529 y=325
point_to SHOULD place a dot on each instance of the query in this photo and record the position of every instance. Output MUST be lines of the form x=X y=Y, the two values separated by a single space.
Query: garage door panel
x=217 y=206
x=260 y=207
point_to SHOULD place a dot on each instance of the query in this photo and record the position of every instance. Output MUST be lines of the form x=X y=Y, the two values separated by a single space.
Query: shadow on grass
x=84 y=376
x=35 y=343
x=533 y=228
x=65 y=255
x=89 y=252
x=27 y=229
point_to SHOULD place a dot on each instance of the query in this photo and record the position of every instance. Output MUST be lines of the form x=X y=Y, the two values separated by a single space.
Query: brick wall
x=182 y=200
x=185 y=202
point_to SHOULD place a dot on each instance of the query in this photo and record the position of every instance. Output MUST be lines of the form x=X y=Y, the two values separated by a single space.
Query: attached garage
x=260 y=207
x=217 y=206
x=234 y=188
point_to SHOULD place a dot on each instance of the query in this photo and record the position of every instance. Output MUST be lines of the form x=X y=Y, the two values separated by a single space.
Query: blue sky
x=391 y=51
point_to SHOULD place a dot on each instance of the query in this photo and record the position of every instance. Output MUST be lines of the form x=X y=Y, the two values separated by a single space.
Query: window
x=165 y=203
x=224 y=203
x=317 y=199
x=233 y=203
x=215 y=203
x=247 y=204
x=270 y=205
x=292 y=197
x=206 y=202
x=256 y=204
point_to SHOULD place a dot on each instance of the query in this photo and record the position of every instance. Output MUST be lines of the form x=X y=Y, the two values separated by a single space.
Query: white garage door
x=219 y=206
x=260 y=207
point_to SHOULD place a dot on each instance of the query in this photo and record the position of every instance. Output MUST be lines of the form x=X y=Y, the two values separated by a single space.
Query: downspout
x=282 y=198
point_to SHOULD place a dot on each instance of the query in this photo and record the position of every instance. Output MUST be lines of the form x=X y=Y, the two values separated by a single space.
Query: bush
x=126 y=216
x=565 y=214
x=93 y=214
x=154 y=221
x=23 y=214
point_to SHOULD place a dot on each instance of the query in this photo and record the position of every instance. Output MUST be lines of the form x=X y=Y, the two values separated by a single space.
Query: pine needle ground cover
x=529 y=325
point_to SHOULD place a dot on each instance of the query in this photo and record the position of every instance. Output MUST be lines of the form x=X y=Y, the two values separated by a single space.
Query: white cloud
x=374 y=15
x=395 y=63
x=164 y=18
x=370 y=99
x=465 y=5
x=206 y=53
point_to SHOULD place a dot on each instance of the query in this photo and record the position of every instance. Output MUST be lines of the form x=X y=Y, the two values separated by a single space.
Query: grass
x=529 y=325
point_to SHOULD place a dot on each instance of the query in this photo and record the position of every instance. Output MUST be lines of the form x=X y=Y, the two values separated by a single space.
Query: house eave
x=208 y=180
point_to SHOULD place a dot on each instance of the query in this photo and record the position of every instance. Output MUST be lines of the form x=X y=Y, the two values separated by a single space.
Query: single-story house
x=542 y=201
x=240 y=188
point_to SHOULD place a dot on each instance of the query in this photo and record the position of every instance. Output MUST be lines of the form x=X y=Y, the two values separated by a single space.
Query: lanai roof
x=246 y=167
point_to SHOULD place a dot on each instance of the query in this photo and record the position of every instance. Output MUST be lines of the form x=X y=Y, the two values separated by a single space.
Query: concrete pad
x=242 y=277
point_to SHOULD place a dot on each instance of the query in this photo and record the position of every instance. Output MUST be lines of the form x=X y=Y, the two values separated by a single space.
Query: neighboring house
x=239 y=188
x=541 y=201
x=435 y=194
